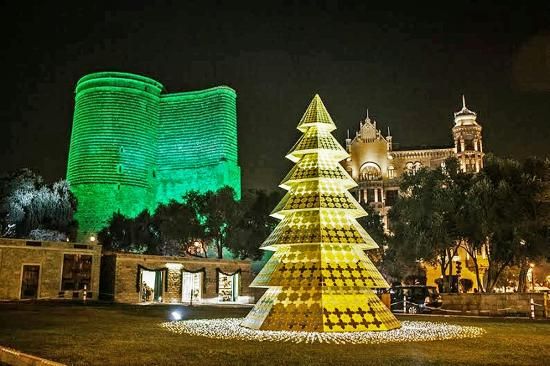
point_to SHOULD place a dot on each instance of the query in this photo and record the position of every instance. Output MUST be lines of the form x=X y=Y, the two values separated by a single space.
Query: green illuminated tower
x=133 y=147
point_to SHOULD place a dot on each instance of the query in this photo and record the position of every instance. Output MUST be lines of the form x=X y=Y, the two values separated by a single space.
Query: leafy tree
x=221 y=214
x=505 y=214
x=255 y=224
x=179 y=229
x=424 y=218
x=175 y=228
x=466 y=284
x=135 y=235
x=27 y=204
x=374 y=225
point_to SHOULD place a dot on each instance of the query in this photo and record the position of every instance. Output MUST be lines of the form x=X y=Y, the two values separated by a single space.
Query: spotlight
x=176 y=315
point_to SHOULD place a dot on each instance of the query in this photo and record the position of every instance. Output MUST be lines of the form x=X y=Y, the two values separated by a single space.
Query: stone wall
x=14 y=253
x=126 y=267
x=506 y=304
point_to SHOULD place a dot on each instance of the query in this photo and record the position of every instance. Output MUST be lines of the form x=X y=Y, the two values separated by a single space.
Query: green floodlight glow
x=133 y=147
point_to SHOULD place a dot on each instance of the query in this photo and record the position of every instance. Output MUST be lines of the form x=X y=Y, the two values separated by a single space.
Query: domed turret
x=468 y=139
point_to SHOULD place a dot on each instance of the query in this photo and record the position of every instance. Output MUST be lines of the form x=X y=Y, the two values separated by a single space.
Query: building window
x=119 y=169
x=391 y=172
x=370 y=171
x=228 y=287
x=77 y=272
x=191 y=288
x=151 y=284
x=370 y=195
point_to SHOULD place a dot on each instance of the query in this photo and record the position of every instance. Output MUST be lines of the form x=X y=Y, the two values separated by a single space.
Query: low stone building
x=137 y=278
x=32 y=269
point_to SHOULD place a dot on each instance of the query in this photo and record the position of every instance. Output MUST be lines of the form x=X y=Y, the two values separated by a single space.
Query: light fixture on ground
x=410 y=331
x=176 y=315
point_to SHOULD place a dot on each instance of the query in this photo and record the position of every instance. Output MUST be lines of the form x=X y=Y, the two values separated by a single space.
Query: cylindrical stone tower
x=113 y=148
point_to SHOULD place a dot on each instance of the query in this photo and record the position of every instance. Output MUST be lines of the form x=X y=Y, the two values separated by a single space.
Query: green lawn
x=130 y=335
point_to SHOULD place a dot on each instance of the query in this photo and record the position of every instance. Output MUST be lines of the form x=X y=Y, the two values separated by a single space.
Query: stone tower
x=468 y=140
x=134 y=146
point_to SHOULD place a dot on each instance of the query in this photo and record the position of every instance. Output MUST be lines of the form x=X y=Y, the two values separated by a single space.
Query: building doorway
x=228 y=287
x=191 y=287
x=150 y=286
x=30 y=280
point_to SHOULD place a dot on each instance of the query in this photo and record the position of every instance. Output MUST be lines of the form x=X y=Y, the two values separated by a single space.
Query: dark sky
x=409 y=64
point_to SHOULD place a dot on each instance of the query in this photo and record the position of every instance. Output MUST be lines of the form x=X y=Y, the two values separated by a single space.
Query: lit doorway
x=191 y=287
x=228 y=287
x=150 y=286
x=30 y=281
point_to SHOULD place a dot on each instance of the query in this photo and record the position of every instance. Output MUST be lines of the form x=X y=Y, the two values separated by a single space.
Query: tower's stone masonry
x=133 y=146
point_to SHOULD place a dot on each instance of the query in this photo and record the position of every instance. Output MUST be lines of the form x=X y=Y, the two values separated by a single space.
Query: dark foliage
x=31 y=208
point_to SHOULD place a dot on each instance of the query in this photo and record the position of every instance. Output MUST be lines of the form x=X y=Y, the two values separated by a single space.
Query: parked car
x=419 y=299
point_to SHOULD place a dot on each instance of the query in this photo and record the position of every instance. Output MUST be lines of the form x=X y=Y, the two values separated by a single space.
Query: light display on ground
x=410 y=331
x=133 y=146
x=319 y=279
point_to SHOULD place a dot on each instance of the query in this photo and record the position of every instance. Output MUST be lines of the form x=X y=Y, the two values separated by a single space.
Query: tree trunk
x=450 y=276
x=220 y=248
x=480 y=286
x=522 y=278
x=494 y=272
x=443 y=267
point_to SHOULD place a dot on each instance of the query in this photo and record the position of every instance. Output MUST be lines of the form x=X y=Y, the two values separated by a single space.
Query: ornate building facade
x=376 y=164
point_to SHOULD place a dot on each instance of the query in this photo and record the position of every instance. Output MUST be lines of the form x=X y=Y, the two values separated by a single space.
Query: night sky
x=408 y=64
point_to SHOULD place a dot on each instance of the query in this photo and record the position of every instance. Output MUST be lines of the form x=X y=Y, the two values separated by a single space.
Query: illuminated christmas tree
x=319 y=279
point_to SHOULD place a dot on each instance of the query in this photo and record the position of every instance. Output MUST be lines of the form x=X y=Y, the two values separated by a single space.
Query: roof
x=464 y=111
x=316 y=115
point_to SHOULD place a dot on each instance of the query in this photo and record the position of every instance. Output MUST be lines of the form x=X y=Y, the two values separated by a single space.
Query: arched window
x=370 y=171
x=391 y=172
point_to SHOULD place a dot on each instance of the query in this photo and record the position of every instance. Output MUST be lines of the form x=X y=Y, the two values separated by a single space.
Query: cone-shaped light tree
x=319 y=279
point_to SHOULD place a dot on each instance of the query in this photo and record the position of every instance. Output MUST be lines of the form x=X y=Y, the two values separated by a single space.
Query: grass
x=102 y=334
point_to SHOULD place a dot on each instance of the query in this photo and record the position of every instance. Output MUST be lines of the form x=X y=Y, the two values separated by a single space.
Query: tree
x=254 y=225
x=386 y=259
x=374 y=225
x=424 y=218
x=136 y=235
x=319 y=277
x=179 y=229
x=505 y=212
x=219 y=213
x=28 y=205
